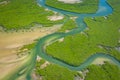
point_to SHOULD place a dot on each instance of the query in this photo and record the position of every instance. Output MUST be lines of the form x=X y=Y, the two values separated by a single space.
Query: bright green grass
x=102 y=32
x=23 y=14
x=88 y=6
x=103 y=72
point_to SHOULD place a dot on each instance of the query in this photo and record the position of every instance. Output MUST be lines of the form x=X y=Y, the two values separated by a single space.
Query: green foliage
x=19 y=14
x=73 y=50
x=102 y=37
x=1 y=0
x=87 y=6
x=39 y=63
x=104 y=72
x=69 y=25
x=55 y=72
x=29 y=46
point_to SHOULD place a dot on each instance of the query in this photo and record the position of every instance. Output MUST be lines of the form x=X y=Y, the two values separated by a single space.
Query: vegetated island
x=79 y=6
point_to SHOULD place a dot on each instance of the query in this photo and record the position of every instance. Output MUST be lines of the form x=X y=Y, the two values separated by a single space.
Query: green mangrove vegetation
x=101 y=36
x=29 y=46
x=55 y=72
x=17 y=14
x=69 y=25
x=87 y=6
x=106 y=71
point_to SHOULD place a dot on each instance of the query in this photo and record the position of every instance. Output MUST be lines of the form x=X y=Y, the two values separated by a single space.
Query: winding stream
x=104 y=9
x=26 y=65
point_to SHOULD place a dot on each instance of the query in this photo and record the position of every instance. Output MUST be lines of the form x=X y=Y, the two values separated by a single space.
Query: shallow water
x=27 y=65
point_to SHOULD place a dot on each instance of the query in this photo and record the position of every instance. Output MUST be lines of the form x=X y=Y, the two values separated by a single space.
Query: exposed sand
x=73 y=18
x=61 y=40
x=71 y=1
x=84 y=73
x=44 y=65
x=100 y=61
x=35 y=76
x=11 y=42
x=38 y=58
x=4 y=2
x=55 y=17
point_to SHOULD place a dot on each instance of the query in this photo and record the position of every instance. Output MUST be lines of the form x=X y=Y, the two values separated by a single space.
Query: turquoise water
x=104 y=9
x=27 y=65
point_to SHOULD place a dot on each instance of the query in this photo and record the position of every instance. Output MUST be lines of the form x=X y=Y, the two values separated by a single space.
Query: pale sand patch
x=35 y=76
x=66 y=31
x=73 y=18
x=100 y=61
x=55 y=17
x=47 y=9
x=38 y=58
x=71 y=1
x=61 y=40
x=4 y=2
x=44 y=65
x=84 y=73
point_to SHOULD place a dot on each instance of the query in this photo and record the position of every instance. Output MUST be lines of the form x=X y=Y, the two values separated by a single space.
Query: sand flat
x=71 y=1
x=11 y=42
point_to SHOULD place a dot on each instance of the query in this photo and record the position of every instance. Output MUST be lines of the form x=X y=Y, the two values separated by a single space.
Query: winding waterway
x=26 y=65
x=104 y=9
